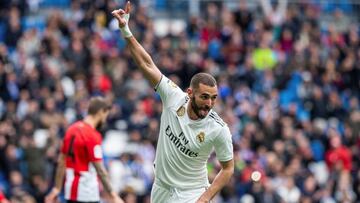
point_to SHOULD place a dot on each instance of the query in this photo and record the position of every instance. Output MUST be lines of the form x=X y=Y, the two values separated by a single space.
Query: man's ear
x=189 y=91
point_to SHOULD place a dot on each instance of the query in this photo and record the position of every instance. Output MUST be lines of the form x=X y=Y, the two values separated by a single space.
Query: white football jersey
x=184 y=145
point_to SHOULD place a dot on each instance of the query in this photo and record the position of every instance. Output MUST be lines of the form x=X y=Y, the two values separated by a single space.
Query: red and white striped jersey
x=82 y=145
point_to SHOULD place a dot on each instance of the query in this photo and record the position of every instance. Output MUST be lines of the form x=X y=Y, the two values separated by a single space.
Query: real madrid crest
x=181 y=111
x=201 y=137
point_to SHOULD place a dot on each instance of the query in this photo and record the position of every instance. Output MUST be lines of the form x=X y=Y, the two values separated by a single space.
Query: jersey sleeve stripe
x=217 y=120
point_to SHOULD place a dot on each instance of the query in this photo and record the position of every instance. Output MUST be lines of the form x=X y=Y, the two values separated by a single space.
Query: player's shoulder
x=180 y=100
x=216 y=120
x=171 y=85
x=76 y=125
x=218 y=126
x=72 y=127
x=79 y=127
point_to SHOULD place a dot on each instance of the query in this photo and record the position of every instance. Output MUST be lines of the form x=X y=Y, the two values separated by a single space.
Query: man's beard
x=100 y=126
x=196 y=108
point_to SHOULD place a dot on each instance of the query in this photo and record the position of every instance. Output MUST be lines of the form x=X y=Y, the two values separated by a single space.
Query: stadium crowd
x=288 y=89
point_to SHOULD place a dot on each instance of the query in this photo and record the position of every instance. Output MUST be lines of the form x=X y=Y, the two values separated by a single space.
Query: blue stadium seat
x=2 y=31
x=4 y=184
x=37 y=22
x=55 y=3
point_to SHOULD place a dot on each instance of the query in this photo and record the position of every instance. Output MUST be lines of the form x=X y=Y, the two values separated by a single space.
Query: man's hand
x=114 y=198
x=120 y=15
x=51 y=197
x=123 y=18
x=140 y=56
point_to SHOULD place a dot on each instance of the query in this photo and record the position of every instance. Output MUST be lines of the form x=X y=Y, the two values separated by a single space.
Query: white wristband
x=125 y=31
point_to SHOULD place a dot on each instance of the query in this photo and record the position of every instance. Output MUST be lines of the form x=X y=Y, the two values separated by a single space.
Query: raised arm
x=141 y=57
x=59 y=179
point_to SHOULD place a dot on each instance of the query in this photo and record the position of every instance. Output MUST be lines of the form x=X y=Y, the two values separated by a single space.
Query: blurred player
x=189 y=131
x=3 y=198
x=81 y=159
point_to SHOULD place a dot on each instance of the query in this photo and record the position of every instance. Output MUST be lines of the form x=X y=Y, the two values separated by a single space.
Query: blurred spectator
x=13 y=28
x=338 y=157
x=274 y=16
x=289 y=192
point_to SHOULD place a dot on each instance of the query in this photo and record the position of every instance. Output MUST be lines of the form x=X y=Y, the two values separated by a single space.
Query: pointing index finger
x=127 y=7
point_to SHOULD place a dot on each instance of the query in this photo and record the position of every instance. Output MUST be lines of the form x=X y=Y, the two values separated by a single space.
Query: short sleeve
x=223 y=145
x=168 y=91
x=63 y=148
x=65 y=142
x=94 y=149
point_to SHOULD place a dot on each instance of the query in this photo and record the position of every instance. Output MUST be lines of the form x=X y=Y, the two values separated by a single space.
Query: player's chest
x=180 y=132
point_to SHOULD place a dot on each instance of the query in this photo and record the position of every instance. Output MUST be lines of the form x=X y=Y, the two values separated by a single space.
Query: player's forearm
x=144 y=61
x=106 y=183
x=221 y=179
x=60 y=172
x=104 y=177
x=141 y=57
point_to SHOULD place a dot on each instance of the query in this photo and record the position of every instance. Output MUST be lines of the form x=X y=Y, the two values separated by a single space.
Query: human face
x=202 y=100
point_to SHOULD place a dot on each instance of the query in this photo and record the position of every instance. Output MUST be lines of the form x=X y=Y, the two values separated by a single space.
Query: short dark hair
x=97 y=104
x=203 y=78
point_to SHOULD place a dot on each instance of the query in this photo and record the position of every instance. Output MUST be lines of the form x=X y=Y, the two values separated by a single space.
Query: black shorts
x=69 y=201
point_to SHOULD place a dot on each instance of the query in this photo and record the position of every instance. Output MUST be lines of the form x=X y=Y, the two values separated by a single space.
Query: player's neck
x=90 y=120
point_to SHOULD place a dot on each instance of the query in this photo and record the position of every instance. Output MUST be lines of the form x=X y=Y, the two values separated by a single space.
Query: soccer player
x=189 y=130
x=81 y=159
